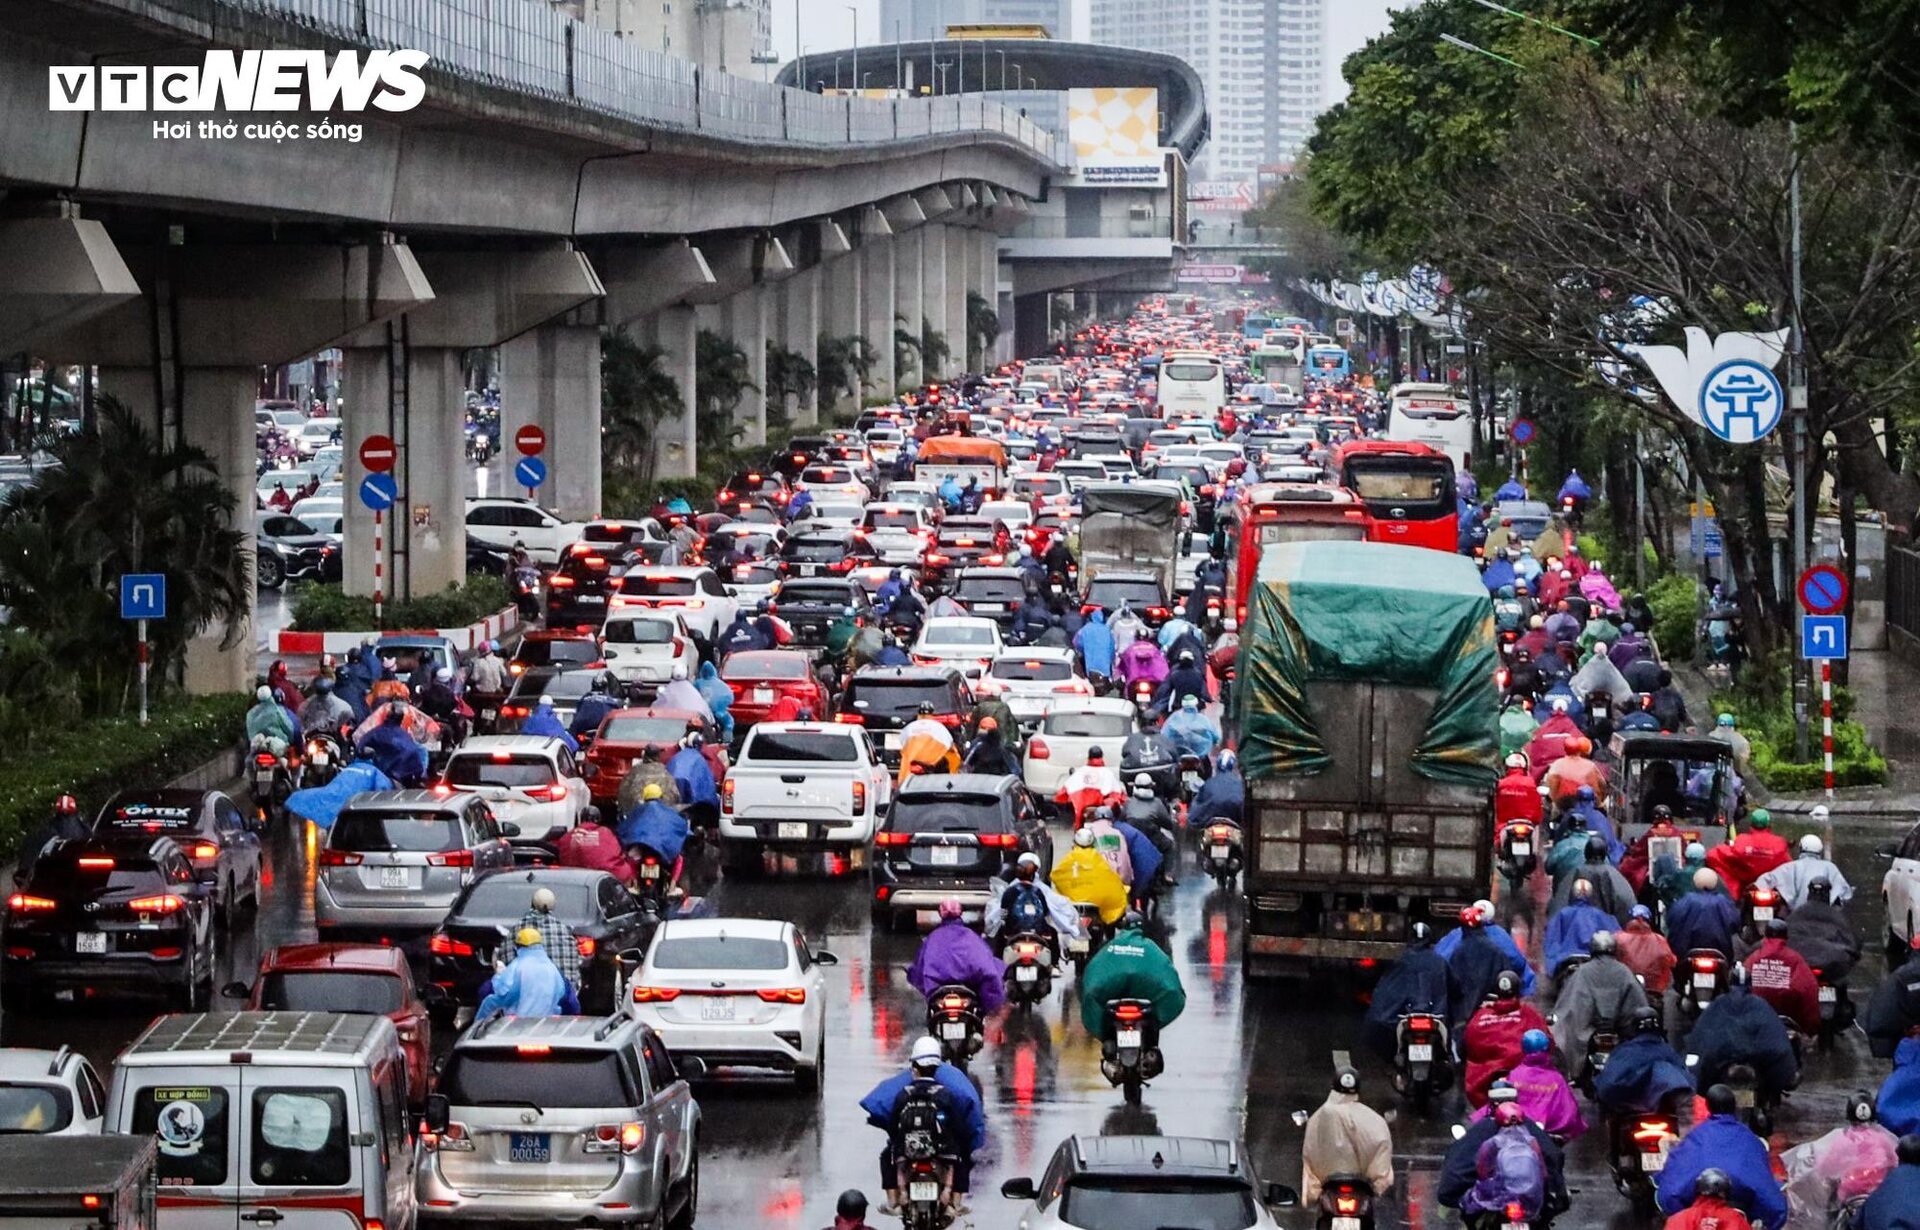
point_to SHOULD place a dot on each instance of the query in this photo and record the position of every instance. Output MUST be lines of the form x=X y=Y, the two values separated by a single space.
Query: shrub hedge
x=319 y=607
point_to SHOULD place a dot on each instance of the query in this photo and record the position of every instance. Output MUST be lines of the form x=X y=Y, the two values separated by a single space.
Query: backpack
x=918 y=1123
x=1517 y=1169
x=1029 y=909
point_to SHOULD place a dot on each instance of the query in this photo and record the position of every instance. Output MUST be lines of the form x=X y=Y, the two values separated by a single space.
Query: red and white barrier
x=313 y=644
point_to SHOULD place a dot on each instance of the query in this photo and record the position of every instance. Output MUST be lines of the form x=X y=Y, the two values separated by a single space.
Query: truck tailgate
x=801 y=792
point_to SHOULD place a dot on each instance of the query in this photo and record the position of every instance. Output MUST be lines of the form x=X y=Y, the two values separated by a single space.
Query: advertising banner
x=1116 y=137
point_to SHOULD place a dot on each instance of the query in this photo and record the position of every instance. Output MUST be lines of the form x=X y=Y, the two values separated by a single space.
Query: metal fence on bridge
x=526 y=45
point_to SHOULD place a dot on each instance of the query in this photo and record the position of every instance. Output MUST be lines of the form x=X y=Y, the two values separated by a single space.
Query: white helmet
x=1143 y=783
x=1820 y=813
x=1516 y=761
x=1083 y=837
x=925 y=1051
x=679 y=671
x=1812 y=845
x=543 y=899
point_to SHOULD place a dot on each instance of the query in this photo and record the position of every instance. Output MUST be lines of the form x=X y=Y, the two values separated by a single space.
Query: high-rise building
x=729 y=36
x=1260 y=61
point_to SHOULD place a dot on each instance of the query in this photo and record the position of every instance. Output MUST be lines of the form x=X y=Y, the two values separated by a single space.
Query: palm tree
x=906 y=351
x=789 y=373
x=933 y=348
x=844 y=363
x=722 y=377
x=636 y=396
x=120 y=501
x=983 y=329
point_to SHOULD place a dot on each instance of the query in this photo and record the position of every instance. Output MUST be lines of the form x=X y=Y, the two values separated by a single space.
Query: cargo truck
x=1366 y=713
x=77 y=1183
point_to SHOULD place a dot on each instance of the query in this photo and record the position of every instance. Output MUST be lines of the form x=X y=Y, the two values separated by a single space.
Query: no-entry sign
x=377 y=454
x=530 y=439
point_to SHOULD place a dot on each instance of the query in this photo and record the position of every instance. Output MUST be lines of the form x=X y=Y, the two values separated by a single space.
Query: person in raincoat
x=1750 y=854
x=655 y=825
x=1143 y=856
x=269 y=724
x=1549 y=741
x=680 y=693
x=1894 y=1008
x=1140 y=662
x=1722 y=1142
x=1003 y=721
x=1503 y=941
x=1584 y=804
x=1611 y=892
x=530 y=985
x=961 y=1111
x=1345 y=1136
x=1644 y=1074
x=1085 y=877
x=1783 y=978
x=953 y=954
x=1821 y=932
x=392 y=748
x=544 y=722
x=1186 y=677
x=989 y=753
x=1108 y=840
x=593 y=845
x=1573 y=771
x=1130 y=966
x=1516 y=727
x=1094 y=643
x=1704 y=918
x=1515 y=797
x=1190 y=731
x=1545 y=1095
x=1510 y=1170
x=922 y=752
x=1460 y=1169
x=351 y=686
x=325 y=710
x=1712 y=1207
x=1899 y=1097
x=692 y=775
x=322 y=804
x=1599 y=674
x=1090 y=785
x=1603 y=991
x=1790 y=880
x=1845 y=1165
x=1646 y=952
x=600 y=700
x=1598 y=589
x=1221 y=797
x=1417 y=982
x=1739 y=1027
x=1571 y=931
x=1679 y=880
x=1490 y=1043
x=1892 y=1205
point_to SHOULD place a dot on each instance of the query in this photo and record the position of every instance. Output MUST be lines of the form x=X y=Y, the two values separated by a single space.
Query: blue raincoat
x=719 y=698
x=1499 y=574
x=1171 y=633
x=1640 y=1074
x=1569 y=931
x=881 y=1104
x=1510 y=490
x=1095 y=643
x=531 y=985
x=656 y=826
x=1702 y=920
x=1597 y=822
x=1892 y=1205
x=1575 y=486
x=1142 y=853
x=890 y=655
x=693 y=776
x=351 y=688
x=1899 y=1101
x=395 y=752
x=1416 y=983
x=954 y=953
x=545 y=722
x=322 y=804
x=1724 y=1142
x=1503 y=940
x=1190 y=732
x=592 y=711
x=1222 y=797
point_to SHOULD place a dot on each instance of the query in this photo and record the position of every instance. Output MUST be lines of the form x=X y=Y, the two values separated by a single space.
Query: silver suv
x=560 y=1120
x=396 y=859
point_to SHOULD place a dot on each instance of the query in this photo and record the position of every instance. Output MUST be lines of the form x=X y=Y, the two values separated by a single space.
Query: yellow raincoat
x=1084 y=876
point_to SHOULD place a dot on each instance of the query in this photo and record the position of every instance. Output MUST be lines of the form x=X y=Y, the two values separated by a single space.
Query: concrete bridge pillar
x=551 y=378
x=424 y=535
x=1032 y=324
x=909 y=307
x=744 y=320
x=675 y=331
x=800 y=331
x=959 y=281
x=840 y=293
x=878 y=255
x=933 y=298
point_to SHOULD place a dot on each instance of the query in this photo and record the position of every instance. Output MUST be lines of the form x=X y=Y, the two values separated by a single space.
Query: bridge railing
x=527 y=45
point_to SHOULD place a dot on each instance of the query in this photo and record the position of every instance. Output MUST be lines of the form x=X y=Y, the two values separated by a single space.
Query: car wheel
x=228 y=908
x=808 y=1078
x=690 y=1207
x=270 y=572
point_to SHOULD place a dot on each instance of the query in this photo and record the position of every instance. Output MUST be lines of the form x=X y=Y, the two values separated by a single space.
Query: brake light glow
x=451 y=858
x=1128 y=1013
x=783 y=995
x=655 y=995
x=447 y=946
x=726 y=796
x=1420 y=1024
x=204 y=849
x=533 y=1048
x=1004 y=841
x=96 y=864
x=1516 y=1212
x=893 y=839
x=1652 y=1131
x=953 y=1004
x=1706 y=964
x=859 y=796
x=263 y=759
x=551 y=794
x=163 y=903
x=339 y=858
x=25 y=904
x=1346 y=1206
x=560 y=581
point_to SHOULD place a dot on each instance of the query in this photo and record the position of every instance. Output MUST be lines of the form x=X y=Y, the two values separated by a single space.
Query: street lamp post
x=1003 y=70
x=800 y=49
x=1797 y=406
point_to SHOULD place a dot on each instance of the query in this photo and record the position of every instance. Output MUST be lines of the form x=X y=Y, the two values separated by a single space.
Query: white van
x=283 y=1120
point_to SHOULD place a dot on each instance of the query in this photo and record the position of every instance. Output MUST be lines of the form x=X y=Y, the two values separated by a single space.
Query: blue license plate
x=536 y=1147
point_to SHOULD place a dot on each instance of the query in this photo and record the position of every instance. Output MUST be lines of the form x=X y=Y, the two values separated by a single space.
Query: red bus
x=1290 y=512
x=1407 y=489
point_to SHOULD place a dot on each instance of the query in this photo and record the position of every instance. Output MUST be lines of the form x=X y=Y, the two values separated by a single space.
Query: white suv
x=693 y=592
x=502 y=522
x=530 y=781
x=49 y=1093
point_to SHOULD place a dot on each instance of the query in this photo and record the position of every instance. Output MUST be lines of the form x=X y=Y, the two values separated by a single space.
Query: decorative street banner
x=1726 y=385
x=1116 y=136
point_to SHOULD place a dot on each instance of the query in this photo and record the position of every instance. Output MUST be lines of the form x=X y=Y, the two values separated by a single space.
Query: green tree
x=934 y=350
x=637 y=394
x=722 y=376
x=843 y=365
x=118 y=501
x=906 y=352
x=789 y=373
x=983 y=330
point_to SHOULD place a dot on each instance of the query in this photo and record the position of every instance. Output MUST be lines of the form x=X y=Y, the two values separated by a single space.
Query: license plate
x=487 y=715
x=1522 y=849
x=1702 y=982
x=531 y=1147
x=590 y=600
x=1128 y=1037
x=1220 y=852
x=945 y=856
x=763 y=696
x=393 y=877
x=90 y=941
x=263 y=777
x=1743 y=1098
x=1518 y=1225
x=793 y=830
x=1762 y=913
x=953 y=1031
x=891 y=741
x=1655 y=1161
x=919 y=1191
x=1077 y=943
x=649 y=871
x=1346 y=1223
x=717 y=1008
x=318 y=759
x=1829 y=995
x=990 y=606
x=1420 y=1052
x=1026 y=973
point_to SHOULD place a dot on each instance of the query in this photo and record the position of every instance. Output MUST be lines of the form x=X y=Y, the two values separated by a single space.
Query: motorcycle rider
x=1084 y=876
x=1221 y=797
x=693 y=775
x=1899 y=1099
x=1711 y=1208
x=1516 y=960
x=1460 y=1170
x=1550 y=740
x=1646 y=952
x=1783 y=978
x=1740 y=1028
x=1516 y=730
x=1094 y=644
x=1570 y=931
x=324 y=710
x=1417 y=982
x=679 y=693
x=1753 y=853
x=269 y=724
x=1110 y=842
x=1129 y=966
x=1345 y=1136
x=557 y=937
x=850 y=1212
x=530 y=985
x=1186 y=679
x=989 y=753
x=436 y=699
x=1790 y=880
x=1845 y=1165
x=1146 y=811
x=1685 y=878
x=1190 y=732
x=1602 y=991
x=1722 y=1142
x=1490 y=1045
x=657 y=826
x=1090 y=785
x=1144 y=858
x=1644 y=1074
x=1892 y=1205
x=961 y=1114
x=1574 y=494
x=1510 y=1170
x=1611 y=892
x=1821 y=932
x=1574 y=771
x=1545 y=1095
x=593 y=845
x=1026 y=907
x=1894 y=1011
x=64 y=824
x=594 y=706
x=486 y=673
x=393 y=750
x=1516 y=797
x=543 y=721
x=1704 y=918
x=1140 y=662
x=954 y=954
x=1583 y=804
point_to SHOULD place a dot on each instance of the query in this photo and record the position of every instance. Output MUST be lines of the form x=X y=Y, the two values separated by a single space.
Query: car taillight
x=451 y=858
x=447 y=946
x=893 y=839
x=655 y=995
x=558 y=581
x=1037 y=749
x=162 y=903
x=203 y=849
x=616 y=1138
x=859 y=796
x=1003 y=841
x=783 y=995
x=551 y=794
x=339 y=858
x=514 y=711
x=584 y=945
x=726 y=796
x=1127 y=1013
x=1073 y=686
x=23 y=903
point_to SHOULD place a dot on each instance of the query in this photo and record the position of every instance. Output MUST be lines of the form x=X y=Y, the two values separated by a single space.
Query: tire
x=809 y=1077
x=690 y=1207
x=1131 y=1086
x=224 y=919
x=269 y=572
x=739 y=861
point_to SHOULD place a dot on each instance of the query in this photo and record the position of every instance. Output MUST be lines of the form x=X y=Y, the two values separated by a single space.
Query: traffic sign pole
x=144 y=666
x=1826 y=720
x=379 y=569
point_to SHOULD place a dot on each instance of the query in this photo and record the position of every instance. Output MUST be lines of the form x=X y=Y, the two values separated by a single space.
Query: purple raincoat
x=1141 y=660
x=1545 y=1097
x=954 y=952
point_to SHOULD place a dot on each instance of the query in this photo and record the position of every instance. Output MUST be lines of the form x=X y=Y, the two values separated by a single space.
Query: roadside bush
x=1762 y=704
x=1673 y=601
x=92 y=760
x=319 y=607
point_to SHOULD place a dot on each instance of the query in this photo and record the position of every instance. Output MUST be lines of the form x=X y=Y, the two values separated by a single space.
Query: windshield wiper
x=506 y=1102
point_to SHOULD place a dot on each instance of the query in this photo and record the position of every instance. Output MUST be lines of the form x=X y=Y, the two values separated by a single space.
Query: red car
x=363 y=978
x=629 y=735
x=761 y=678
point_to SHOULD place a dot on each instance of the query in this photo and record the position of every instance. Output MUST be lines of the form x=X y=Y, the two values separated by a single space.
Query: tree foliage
x=789 y=374
x=906 y=352
x=983 y=330
x=934 y=350
x=637 y=394
x=722 y=376
x=843 y=365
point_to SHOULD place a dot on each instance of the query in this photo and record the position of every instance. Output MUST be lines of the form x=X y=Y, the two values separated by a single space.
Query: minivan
x=296 y=1120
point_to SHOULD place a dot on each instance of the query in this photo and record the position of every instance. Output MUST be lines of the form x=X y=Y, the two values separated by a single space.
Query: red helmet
x=1470 y=917
x=66 y=805
x=1236 y=468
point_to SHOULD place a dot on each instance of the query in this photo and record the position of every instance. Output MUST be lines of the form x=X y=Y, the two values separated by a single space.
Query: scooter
x=1029 y=973
x=1141 y=693
x=1190 y=778
x=1601 y=1044
x=1836 y=1007
x=953 y=1016
x=1519 y=854
x=1131 y=1056
x=1639 y=1145
x=326 y=753
x=1421 y=1064
x=1223 y=852
x=651 y=876
x=923 y=1173
x=1346 y=1203
x=525 y=584
x=270 y=774
x=1706 y=980
x=1080 y=948
x=1758 y=907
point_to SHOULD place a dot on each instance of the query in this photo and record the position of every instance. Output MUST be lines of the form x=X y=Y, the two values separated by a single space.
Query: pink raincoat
x=1545 y=1097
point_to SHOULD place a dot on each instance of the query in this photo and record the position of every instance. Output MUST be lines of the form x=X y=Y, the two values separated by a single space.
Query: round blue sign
x=378 y=491
x=531 y=471
x=1823 y=590
x=1521 y=431
x=1741 y=401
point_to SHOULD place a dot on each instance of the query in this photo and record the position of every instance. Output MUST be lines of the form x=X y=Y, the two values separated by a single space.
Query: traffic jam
x=941 y=820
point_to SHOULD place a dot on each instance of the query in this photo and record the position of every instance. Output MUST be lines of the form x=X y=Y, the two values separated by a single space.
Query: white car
x=319 y=511
x=531 y=781
x=1120 y=467
x=49 y=1093
x=1159 y=1180
x=825 y=481
x=333 y=492
x=736 y=991
x=1039 y=485
x=753 y=582
x=912 y=491
x=899 y=533
x=1900 y=886
x=694 y=592
x=501 y=522
x=960 y=641
x=645 y=646
x=1032 y=680
x=885 y=444
x=1068 y=733
x=314 y=435
x=830 y=514
x=803 y=788
x=1082 y=473
x=1016 y=515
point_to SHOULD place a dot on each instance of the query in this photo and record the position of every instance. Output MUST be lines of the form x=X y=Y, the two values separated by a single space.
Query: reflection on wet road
x=1239 y=1061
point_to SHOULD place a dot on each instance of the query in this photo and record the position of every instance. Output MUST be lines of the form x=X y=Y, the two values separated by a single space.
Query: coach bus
x=1407 y=489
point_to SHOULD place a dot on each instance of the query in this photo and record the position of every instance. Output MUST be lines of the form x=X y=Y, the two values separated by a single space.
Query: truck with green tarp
x=1367 y=721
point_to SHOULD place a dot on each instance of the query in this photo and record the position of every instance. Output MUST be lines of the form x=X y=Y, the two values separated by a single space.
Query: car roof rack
x=60 y=1058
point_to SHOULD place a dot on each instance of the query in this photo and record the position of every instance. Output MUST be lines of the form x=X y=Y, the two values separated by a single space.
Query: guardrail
x=528 y=46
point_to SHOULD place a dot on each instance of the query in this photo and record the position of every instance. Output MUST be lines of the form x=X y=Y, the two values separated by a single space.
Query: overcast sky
x=828 y=24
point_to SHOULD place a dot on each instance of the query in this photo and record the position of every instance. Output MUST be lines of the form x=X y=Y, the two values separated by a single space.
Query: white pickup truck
x=813 y=790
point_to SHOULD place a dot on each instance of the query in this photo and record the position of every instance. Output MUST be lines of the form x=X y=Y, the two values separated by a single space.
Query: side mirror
x=1019 y=1189
x=825 y=958
x=236 y=990
x=509 y=829
x=439 y=1112
x=1280 y=1196
x=1887 y=851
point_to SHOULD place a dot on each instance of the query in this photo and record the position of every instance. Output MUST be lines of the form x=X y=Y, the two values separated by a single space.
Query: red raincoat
x=1748 y=857
x=1515 y=798
x=1491 y=1042
x=1783 y=978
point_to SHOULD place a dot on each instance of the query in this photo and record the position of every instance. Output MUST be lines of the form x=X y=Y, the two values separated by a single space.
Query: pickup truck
x=964 y=459
x=813 y=790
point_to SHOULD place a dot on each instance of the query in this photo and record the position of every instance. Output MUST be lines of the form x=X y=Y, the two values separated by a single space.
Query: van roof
x=304 y=1039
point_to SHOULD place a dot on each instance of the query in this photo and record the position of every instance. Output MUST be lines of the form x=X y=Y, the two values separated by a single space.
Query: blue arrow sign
x=1823 y=636
x=379 y=491
x=531 y=472
x=143 y=595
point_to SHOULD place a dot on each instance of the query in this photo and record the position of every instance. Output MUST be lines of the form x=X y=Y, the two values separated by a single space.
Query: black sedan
x=210 y=830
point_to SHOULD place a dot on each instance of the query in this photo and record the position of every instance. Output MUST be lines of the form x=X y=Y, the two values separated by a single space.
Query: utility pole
x=1798 y=520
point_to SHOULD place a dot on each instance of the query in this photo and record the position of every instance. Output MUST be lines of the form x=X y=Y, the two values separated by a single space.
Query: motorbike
x=1756 y=1105
x=270 y=775
x=1421 y=1065
x=1758 y=907
x=1080 y=948
x=1190 y=778
x=923 y=1172
x=525 y=584
x=1600 y=717
x=1706 y=979
x=1132 y=1057
x=953 y=1016
x=1141 y=693
x=326 y=753
x=1601 y=1044
x=1346 y=1203
x=1638 y=1154
x=1223 y=853
x=1029 y=975
x=1519 y=855
x=651 y=876
x=1836 y=1006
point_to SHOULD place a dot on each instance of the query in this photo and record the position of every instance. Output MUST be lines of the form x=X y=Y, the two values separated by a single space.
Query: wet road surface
x=1239 y=1061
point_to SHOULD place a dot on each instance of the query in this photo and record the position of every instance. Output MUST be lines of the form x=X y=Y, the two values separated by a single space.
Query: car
x=836 y=481
x=1070 y=730
x=418 y=657
x=1032 y=680
x=831 y=513
x=1527 y=519
x=926 y=495
x=558 y=648
x=761 y=677
x=754 y=540
x=578 y=588
x=1038 y=486
x=1142 y=592
x=813 y=605
x=628 y=735
x=736 y=992
x=506 y=522
x=754 y=489
x=287 y=548
x=898 y=531
x=532 y=784
x=1081 y=473
x=371 y=979
x=802 y=789
x=752 y=582
x=49 y=1093
x=1900 y=889
x=644 y=647
x=394 y=860
x=315 y=434
x=289 y=480
x=106 y=916
x=693 y=590
x=210 y=830
x=1014 y=514
x=1094 y=1182
x=605 y=918
x=884 y=699
x=640 y=538
x=991 y=593
x=563 y=685
x=967 y=643
x=819 y=553
x=952 y=835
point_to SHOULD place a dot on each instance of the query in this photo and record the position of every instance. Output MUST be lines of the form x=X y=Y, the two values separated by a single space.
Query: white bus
x=1434 y=415
x=1192 y=384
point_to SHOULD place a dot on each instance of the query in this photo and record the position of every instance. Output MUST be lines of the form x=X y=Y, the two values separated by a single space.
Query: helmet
x=546 y=701
x=1096 y=756
x=926 y=708
x=1819 y=889
x=1084 y=839
x=1662 y=814
x=852 y=1205
x=1602 y=944
x=1646 y=1020
x=1582 y=890
x=1509 y=1114
x=1713 y=1182
x=950 y=909
x=1820 y=813
x=1470 y=917
x=1420 y=933
x=1760 y=818
x=1597 y=848
x=1695 y=852
x=1506 y=985
x=485 y=647
x=1811 y=844
x=925 y=1054
x=66 y=805
x=543 y=899
x=1132 y=920
x=1142 y=786
x=1640 y=913
x=1346 y=1080
x=527 y=937
x=1706 y=879
x=1227 y=761
x=1725 y=719
x=1580 y=746
x=651 y=791
x=263 y=693
x=1516 y=761
x=989 y=723
x=323 y=685
x=1186 y=657
x=1029 y=859
x=443 y=675
x=1860 y=1107
x=1534 y=1041
x=1776 y=928
x=1502 y=1091
x=1584 y=794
